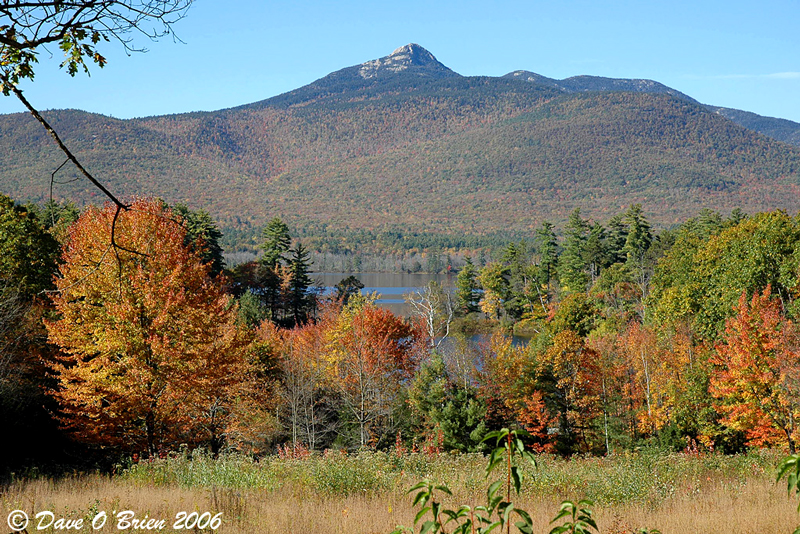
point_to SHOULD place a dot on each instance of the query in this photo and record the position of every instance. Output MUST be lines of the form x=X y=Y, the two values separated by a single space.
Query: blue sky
x=737 y=53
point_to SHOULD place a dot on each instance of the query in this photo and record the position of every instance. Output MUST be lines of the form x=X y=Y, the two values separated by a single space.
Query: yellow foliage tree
x=150 y=352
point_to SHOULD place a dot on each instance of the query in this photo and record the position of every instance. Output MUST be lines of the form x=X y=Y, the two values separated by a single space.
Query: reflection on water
x=392 y=287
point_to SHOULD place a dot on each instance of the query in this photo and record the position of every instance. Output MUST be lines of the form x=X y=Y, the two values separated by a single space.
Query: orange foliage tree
x=150 y=353
x=757 y=370
x=658 y=372
x=305 y=377
x=372 y=352
x=508 y=387
x=575 y=390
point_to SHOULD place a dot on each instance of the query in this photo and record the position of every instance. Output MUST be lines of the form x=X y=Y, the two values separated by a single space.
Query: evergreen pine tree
x=547 y=245
x=573 y=269
x=299 y=299
x=617 y=236
x=639 y=237
x=203 y=234
x=276 y=241
x=596 y=251
x=467 y=296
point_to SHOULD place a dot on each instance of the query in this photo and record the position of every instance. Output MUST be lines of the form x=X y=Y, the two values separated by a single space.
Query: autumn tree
x=372 y=351
x=306 y=389
x=151 y=355
x=568 y=371
x=509 y=386
x=644 y=359
x=493 y=278
x=757 y=372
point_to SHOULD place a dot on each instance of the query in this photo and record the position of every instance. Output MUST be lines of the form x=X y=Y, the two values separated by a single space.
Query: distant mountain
x=583 y=84
x=404 y=152
x=780 y=129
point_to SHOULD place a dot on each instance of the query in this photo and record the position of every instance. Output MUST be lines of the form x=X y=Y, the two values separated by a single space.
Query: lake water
x=392 y=287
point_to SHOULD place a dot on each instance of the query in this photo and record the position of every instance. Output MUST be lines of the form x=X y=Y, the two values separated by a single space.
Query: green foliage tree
x=616 y=239
x=440 y=404
x=496 y=288
x=300 y=300
x=523 y=286
x=251 y=310
x=347 y=287
x=638 y=261
x=638 y=239
x=547 y=246
x=467 y=289
x=57 y=216
x=572 y=265
x=27 y=251
x=203 y=234
x=275 y=243
x=28 y=254
x=597 y=256
x=701 y=279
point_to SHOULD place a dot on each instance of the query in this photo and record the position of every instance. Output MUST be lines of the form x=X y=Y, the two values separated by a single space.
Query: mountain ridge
x=418 y=150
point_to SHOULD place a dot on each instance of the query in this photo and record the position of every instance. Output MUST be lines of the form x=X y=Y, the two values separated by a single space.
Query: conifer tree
x=467 y=295
x=638 y=239
x=596 y=251
x=617 y=237
x=299 y=299
x=275 y=244
x=547 y=245
x=572 y=263
x=203 y=233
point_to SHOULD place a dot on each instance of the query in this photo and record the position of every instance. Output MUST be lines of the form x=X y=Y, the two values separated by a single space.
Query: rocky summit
x=411 y=57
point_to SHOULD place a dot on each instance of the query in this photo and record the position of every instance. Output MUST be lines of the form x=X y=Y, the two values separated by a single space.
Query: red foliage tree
x=756 y=375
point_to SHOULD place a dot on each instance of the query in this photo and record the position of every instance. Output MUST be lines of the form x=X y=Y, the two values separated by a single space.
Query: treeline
x=684 y=337
x=325 y=239
x=139 y=344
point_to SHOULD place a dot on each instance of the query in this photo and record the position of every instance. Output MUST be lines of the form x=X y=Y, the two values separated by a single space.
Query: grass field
x=366 y=493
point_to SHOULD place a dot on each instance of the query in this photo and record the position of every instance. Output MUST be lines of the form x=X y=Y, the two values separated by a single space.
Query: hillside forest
x=146 y=344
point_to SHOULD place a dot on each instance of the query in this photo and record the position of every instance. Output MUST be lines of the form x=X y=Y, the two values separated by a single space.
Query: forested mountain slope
x=404 y=144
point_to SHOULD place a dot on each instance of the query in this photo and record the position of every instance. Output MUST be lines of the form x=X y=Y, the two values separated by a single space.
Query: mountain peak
x=411 y=57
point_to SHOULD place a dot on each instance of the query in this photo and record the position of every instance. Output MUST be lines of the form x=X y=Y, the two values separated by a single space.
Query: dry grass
x=740 y=497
